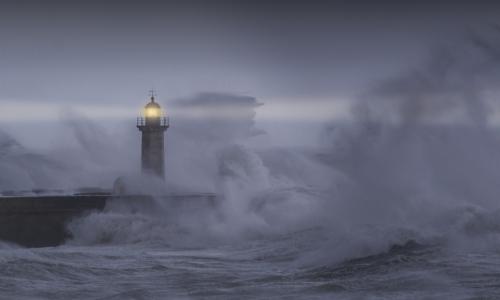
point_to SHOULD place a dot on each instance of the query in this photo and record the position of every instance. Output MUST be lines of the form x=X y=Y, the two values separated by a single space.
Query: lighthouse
x=153 y=125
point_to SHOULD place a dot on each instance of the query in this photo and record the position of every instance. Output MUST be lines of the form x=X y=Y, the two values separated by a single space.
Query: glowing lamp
x=153 y=112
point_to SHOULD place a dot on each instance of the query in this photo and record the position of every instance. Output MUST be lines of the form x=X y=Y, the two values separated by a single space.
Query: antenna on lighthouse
x=152 y=94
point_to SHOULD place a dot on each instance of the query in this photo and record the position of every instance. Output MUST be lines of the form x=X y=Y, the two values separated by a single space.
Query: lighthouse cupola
x=152 y=111
x=153 y=125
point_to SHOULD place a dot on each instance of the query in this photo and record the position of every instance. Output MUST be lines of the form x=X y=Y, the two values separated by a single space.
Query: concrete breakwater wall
x=41 y=221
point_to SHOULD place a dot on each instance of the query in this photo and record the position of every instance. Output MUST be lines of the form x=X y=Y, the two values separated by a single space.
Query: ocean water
x=261 y=268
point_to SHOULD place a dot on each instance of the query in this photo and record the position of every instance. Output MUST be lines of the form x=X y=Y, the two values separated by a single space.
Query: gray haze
x=303 y=60
x=113 y=52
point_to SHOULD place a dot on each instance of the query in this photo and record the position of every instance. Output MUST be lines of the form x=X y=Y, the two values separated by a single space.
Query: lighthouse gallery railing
x=164 y=121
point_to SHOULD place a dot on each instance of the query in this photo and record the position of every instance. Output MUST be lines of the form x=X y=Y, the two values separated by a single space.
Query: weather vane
x=152 y=94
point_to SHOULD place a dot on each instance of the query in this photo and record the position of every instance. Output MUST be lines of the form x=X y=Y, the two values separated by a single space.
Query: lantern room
x=152 y=109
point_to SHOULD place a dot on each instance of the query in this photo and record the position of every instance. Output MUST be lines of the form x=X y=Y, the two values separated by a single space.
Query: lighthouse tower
x=153 y=125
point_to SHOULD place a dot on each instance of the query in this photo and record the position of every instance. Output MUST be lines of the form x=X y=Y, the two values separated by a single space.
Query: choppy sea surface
x=275 y=267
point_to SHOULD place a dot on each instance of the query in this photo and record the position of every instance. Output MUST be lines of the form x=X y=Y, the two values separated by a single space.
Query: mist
x=417 y=160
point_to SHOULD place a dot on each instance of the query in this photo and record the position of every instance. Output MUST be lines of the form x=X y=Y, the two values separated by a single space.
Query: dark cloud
x=113 y=51
x=216 y=117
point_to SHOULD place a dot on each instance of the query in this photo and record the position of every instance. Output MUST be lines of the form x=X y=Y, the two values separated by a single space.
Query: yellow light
x=152 y=112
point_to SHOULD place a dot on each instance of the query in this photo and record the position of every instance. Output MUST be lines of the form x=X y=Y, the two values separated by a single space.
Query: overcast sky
x=102 y=57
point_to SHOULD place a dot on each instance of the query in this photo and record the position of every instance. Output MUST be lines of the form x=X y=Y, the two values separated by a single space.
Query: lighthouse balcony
x=159 y=122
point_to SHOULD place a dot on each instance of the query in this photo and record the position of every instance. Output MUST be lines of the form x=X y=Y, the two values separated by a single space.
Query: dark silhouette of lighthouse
x=153 y=126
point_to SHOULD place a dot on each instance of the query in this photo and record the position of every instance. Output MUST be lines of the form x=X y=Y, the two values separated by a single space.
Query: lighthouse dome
x=152 y=104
